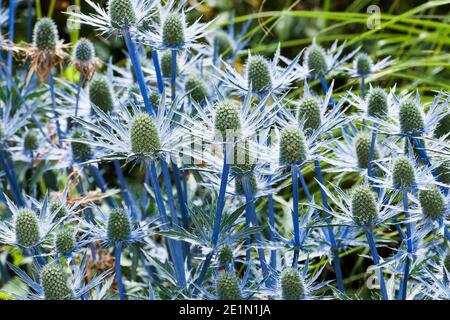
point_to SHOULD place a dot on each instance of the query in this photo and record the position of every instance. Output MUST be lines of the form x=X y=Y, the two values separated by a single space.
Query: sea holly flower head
x=364 y=66
x=227 y=287
x=101 y=93
x=84 y=58
x=292 y=284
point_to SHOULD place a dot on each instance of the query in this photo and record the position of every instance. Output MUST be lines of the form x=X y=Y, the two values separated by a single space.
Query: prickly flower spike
x=84 y=58
x=364 y=206
x=121 y=13
x=293 y=148
x=196 y=87
x=410 y=116
x=292 y=285
x=27 y=228
x=258 y=73
x=55 y=282
x=363 y=65
x=101 y=94
x=166 y=64
x=227 y=118
x=223 y=44
x=362 y=147
x=443 y=127
x=227 y=287
x=432 y=202
x=403 y=175
x=81 y=152
x=65 y=242
x=376 y=104
x=144 y=135
x=30 y=141
x=119 y=228
x=311 y=110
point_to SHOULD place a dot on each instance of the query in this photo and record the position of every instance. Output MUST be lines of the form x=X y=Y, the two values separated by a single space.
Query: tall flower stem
x=294 y=173
x=126 y=194
x=11 y=177
x=173 y=75
x=376 y=260
x=371 y=155
x=410 y=248
x=174 y=246
x=325 y=88
x=363 y=85
x=55 y=114
x=131 y=46
x=334 y=248
x=159 y=78
x=118 y=253
x=273 y=252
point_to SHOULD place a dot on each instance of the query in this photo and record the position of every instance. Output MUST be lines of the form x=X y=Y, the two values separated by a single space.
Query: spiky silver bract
x=101 y=94
x=121 y=13
x=292 y=284
x=227 y=287
x=292 y=146
x=27 y=228
x=377 y=102
x=410 y=117
x=55 y=282
x=258 y=73
x=403 y=175
x=364 y=206
x=144 y=135
x=45 y=35
x=432 y=202
x=310 y=111
x=119 y=225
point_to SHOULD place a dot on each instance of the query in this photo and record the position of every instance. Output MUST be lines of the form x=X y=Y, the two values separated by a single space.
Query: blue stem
x=294 y=173
x=376 y=260
x=100 y=181
x=410 y=248
x=159 y=78
x=169 y=192
x=123 y=186
x=138 y=71
x=273 y=252
x=12 y=178
x=325 y=88
x=144 y=199
x=173 y=75
x=117 y=253
x=363 y=87
x=39 y=259
x=334 y=248
x=55 y=114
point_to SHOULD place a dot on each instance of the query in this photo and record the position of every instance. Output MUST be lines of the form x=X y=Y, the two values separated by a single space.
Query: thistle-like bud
x=243 y=162
x=84 y=50
x=101 y=94
x=222 y=43
x=363 y=64
x=121 y=13
x=55 y=282
x=65 y=242
x=227 y=287
x=443 y=171
x=292 y=284
x=196 y=87
x=239 y=188
x=80 y=151
x=411 y=119
x=30 y=141
x=292 y=146
x=166 y=64
x=144 y=134
x=173 y=31
x=432 y=202
x=363 y=206
x=362 y=147
x=227 y=118
x=153 y=18
x=226 y=254
x=258 y=73
x=377 y=103
x=58 y=209
x=443 y=127
x=119 y=226
x=403 y=173
x=315 y=59
x=310 y=111
x=27 y=228
x=45 y=35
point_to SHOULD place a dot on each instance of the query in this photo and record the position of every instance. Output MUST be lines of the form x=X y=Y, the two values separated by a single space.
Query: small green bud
x=315 y=59
x=310 y=111
x=227 y=118
x=197 y=88
x=45 y=35
x=55 y=282
x=27 y=228
x=101 y=94
x=432 y=202
x=58 y=209
x=226 y=254
x=292 y=146
x=362 y=147
x=119 y=226
x=30 y=141
x=144 y=134
x=227 y=287
x=292 y=285
x=154 y=99
x=363 y=64
x=239 y=188
x=258 y=73
x=363 y=206
x=173 y=31
x=80 y=151
x=222 y=43
x=243 y=161
x=65 y=242
x=121 y=13
x=403 y=174
x=443 y=127
x=411 y=120
x=443 y=171
x=166 y=64
x=84 y=50
x=377 y=105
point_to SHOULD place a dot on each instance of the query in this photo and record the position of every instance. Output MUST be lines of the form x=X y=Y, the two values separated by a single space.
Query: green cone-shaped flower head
x=227 y=118
x=58 y=209
x=84 y=50
x=364 y=206
x=363 y=64
x=222 y=43
x=310 y=111
x=144 y=134
x=121 y=13
x=101 y=94
x=166 y=64
x=432 y=202
x=292 y=284
x=292 y=145
x=226 y=254
x=45 y=35
x=227 y=287
x=55 y=282
x=198 y=91
x=27 y=228
x=119 y=226
x=154 y=99
x=65 y=242
x=243 y=161
x=239 y=188
x=403 y=175
x=411 y=120
x=258 y=73
x=173 y=31
x=443 y=171
x=80 y=151
x=443 y=127
x=315 y=59
x=377 y=105
x=30 y=141
x=362 y=147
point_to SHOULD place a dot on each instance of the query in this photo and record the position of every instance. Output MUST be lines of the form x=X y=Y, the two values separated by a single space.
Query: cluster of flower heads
x=215 y=144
